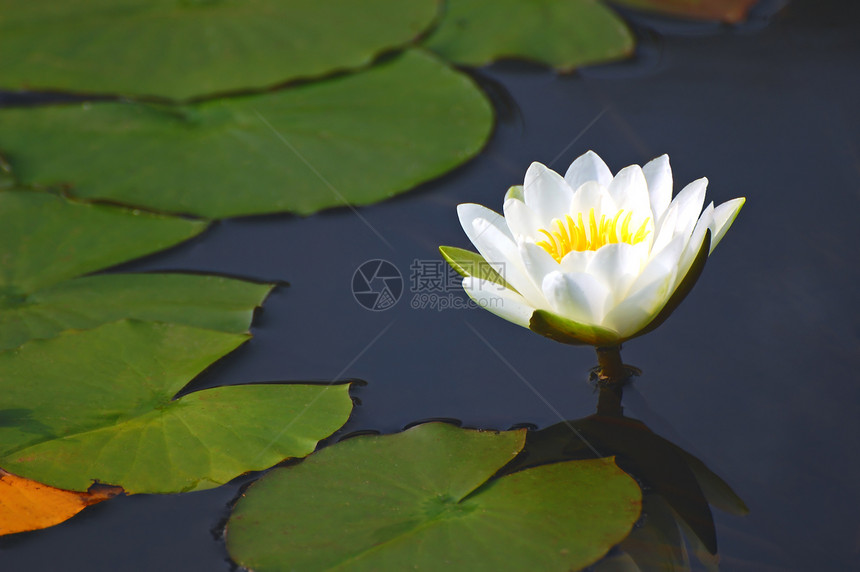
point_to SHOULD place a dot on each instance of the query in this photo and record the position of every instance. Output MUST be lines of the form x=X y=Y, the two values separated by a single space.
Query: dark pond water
x=756 y=373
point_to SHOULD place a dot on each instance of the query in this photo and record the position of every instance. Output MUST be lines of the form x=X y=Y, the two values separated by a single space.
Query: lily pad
x=351 y=140
x=729 y=11
x=45 y=240
x=97 y=405
x=203 y=301
x=186 y=48
x=425 y=499
x=564 y=34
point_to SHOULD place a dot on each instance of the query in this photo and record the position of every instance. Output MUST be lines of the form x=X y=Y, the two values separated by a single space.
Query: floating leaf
x=203 y=301
x=30 y=505
x=421 y=500
x=45 y=240
x=97 y=405
x=564 y=34
x=194 y=47
x=356 y=140
x=729 y=11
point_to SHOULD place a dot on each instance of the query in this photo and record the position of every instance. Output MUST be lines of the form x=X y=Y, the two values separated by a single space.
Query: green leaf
x=421 y=500
x=189 y=48
x=564 y=34
x=729 y=11
x=351 y=140
x=567 y=331
x=45 y=239
x=471 y=264
x=97 y=404
x=203 y=301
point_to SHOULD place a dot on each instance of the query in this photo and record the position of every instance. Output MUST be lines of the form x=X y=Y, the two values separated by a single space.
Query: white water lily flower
x=588 y=257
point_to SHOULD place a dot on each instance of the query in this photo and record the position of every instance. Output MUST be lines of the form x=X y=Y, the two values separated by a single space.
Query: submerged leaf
x=195 y=47
x=351 y=140
x=29 y=505
x=98 y=405
x=425 y=499
x=564 y=34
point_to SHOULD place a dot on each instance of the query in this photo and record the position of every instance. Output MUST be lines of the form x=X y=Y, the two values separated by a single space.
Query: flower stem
x=612 y=374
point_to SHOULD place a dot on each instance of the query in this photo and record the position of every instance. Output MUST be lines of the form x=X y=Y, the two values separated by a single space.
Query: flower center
x=567 y=235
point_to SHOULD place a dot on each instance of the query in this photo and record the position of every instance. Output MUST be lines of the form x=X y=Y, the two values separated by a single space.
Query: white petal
x=691 y=249
x=537 y=262
x=663 y=264
x=515 y=192
x=689 y=203
x=577 y=296
x=649 y=293
x=588 y=167
x=546 y=193
x=470 y=212
x=617 y=266
x=665 y=231
x=658 y=174
x=681 y=216
x=637 y=310
x=500 y=301
x=521 y=220
x=576 y=260
x=724 y=216
x=589 y=196
x=492 y=238
x=630 y=191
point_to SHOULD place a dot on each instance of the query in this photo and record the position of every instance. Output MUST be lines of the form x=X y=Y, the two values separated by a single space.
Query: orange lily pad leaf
x=729 y=11
x=30 y=505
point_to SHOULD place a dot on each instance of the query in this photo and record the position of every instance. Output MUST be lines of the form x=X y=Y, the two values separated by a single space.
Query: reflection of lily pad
x=421 y=500
x=193 y=47
x=356 y=139
x=564 y=34
x=103 y=397
x=730 y=11
x=45 y=240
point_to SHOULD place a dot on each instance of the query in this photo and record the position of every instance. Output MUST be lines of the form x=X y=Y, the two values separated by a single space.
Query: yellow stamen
x=570 y=235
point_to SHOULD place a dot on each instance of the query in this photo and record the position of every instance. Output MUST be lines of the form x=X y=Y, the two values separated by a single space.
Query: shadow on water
x=678 y=489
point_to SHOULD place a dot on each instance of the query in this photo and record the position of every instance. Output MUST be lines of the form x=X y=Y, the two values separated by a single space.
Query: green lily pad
x=97 y=405
x=564 y=34
x=47 y=241
x=186 y=48
x=729 y=11
x=351 y=140
x=203 y=301
x=424 y=500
